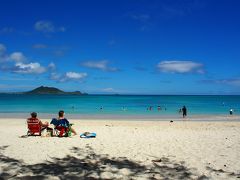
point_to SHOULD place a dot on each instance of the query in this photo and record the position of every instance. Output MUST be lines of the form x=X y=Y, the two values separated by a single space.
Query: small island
x=52 y=90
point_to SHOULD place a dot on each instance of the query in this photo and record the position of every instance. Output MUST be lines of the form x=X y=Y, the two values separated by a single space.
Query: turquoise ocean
x=125 y=105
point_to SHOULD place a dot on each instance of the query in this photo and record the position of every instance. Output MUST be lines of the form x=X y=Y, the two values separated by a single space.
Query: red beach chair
x=34 y=127
x=62 y=131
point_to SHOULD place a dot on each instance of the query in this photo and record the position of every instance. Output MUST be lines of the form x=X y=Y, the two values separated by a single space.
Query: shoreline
x=46 y=116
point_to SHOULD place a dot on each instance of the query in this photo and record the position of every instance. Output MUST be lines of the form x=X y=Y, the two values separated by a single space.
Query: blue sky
x=121 y=46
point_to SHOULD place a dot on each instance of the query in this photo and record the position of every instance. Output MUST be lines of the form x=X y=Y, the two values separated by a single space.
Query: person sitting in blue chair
x=63 y=125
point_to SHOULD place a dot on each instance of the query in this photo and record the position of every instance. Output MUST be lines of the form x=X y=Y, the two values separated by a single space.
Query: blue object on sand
x=88 y=135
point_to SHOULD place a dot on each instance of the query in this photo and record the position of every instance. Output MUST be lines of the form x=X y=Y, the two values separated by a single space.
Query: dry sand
x=124 y=150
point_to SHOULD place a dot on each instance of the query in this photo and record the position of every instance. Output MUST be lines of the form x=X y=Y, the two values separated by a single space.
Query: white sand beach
x=124 y=150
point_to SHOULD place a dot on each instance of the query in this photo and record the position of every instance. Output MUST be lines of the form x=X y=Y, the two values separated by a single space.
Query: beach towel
x=88 y=135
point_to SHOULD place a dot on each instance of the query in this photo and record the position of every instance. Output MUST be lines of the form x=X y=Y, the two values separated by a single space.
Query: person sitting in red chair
x=35 y=126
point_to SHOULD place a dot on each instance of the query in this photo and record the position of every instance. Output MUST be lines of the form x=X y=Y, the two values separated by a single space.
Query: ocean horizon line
x=117 y=94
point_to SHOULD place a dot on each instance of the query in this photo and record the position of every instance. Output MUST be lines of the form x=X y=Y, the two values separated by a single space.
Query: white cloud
x=54 y=76
x=3 y=54
x=48 y=27
x=16 y=62
x=2 y=49
x=108 y=90
x=14 y=57
x=17 y=57
x=101 y=65
x=52 y=66
x=180 y=67
x=44 y=26
x=96 y=64
x=232 y=82
x=31 y=68
x=68 y=76
x=76 y=76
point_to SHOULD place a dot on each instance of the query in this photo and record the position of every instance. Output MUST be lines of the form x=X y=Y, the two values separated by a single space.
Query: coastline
x=48 y=117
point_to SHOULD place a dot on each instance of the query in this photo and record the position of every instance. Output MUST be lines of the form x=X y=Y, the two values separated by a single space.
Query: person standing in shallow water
x=184 y=111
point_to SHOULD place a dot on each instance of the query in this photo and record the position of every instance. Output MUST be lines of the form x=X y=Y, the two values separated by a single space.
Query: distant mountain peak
x=51 y=90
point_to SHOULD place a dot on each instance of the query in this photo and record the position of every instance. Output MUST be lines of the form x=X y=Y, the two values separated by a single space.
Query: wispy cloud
x=170 y=11
x=141 y=17
x=140 y=68
x=3 y=56
x=17 y=57
x=16 y=79
x=180 y=67
x=55 y=76
x=48 y=27
x=39 y=46
x=101 y=78
x=101 y=65
x=155 y=12
x=57 y=51
x=232 y=82
x=6 y=30
x=111 y=42
x=174 y=9
x=68 y=76
x=52 y=66
x=108 y=90
x=2 y=49
x=144 y=20
x=4 y=87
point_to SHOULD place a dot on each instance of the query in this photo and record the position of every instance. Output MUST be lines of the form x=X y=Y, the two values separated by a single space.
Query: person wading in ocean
x=184 y=111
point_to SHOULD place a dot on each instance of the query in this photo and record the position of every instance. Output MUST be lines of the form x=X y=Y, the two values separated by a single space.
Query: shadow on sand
x=221 y=171
x=86 y=164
